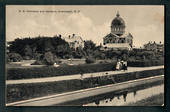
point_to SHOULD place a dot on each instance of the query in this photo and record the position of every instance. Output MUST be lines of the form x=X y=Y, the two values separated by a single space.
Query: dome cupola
x=118 y=25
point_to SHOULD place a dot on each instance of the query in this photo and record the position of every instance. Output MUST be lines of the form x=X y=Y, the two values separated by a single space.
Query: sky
x=91 y=22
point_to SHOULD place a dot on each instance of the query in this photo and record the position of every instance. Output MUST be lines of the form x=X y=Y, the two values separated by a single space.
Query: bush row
x=146 y=63
x=50 y=71
x=27 y=91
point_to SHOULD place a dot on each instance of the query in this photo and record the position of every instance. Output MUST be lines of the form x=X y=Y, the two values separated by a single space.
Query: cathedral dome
x=118 y=25
x=118 y=21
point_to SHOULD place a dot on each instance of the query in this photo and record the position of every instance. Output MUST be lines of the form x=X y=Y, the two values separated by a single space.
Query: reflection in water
x=111 y=98
x=124 y=96
x=127 y=98
x=134 y=93
x=118 y=97
x=97 y=102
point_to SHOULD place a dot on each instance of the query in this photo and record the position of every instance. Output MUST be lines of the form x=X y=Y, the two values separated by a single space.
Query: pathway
x=78 y=76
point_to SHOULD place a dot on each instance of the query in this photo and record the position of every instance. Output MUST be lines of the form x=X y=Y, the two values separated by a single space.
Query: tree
x=125 y=54
x=89 y=45
x=14 y=57
x=97 y=54
x=48 y=45
x=28 y=46
x=49 y=58
x=62 y=50
x=148 y=54
x=28 y=52
x=90 y=60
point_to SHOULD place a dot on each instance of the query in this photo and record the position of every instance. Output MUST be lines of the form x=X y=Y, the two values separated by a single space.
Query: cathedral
x=118 y=38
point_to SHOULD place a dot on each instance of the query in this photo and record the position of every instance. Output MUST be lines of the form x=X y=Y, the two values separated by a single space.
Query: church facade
x=118 y=38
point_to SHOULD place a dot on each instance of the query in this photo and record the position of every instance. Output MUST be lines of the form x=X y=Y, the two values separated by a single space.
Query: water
x=127 y=98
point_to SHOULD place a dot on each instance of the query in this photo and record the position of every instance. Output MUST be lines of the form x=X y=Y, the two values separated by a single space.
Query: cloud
x=75 y=23
x=143 y=34
x=91 y=23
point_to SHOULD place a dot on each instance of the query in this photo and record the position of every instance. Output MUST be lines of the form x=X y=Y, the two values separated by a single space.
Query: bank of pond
x=17 y=92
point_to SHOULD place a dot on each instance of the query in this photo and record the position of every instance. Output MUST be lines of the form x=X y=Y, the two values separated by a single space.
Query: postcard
x=85 y=55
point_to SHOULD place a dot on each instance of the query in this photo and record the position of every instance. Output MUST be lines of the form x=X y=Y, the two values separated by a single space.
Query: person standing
x=124 y=63
x=118 y=65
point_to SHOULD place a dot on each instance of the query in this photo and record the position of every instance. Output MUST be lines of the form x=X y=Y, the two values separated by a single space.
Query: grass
x=50 y=71
x=26 y=91
x=64 y=69
x=156 y=100
x=146 y=63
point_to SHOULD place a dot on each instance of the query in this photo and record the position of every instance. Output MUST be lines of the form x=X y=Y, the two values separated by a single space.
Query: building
x=118 y=38
x=153 y=46
x=74 y=41
x=8 y=44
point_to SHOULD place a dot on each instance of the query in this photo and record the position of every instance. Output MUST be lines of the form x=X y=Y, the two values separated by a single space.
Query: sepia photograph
x=84 y=55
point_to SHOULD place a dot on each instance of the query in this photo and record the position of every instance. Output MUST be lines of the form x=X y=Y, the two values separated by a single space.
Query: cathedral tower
x=118 y=38
x=118 y=25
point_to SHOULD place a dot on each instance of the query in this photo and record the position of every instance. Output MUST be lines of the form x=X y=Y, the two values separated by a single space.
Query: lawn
x=26 y=91
x=156 y=100
x=39 y=71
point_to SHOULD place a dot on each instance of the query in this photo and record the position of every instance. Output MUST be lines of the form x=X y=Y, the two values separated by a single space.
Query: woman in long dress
x=118 y=65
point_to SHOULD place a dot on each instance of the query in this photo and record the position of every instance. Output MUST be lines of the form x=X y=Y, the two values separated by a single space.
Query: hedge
x=26 y=91
x=146 y=63
x=50 y=71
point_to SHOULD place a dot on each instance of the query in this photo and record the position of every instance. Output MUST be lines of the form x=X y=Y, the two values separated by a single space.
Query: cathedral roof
x=118 y=21
x=111 y=35
x=126 y=34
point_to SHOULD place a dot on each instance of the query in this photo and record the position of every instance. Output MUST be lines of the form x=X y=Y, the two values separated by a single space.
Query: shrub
x=49 y=58
x=145 y=63
x=90 y=60
x=27 y=58
x=14 y=57
x=7 y=58
x=38 y=56
x=25 y=73
x=37 y=62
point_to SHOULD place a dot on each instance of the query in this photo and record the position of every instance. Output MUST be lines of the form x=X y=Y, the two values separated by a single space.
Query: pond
x=128 y=98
